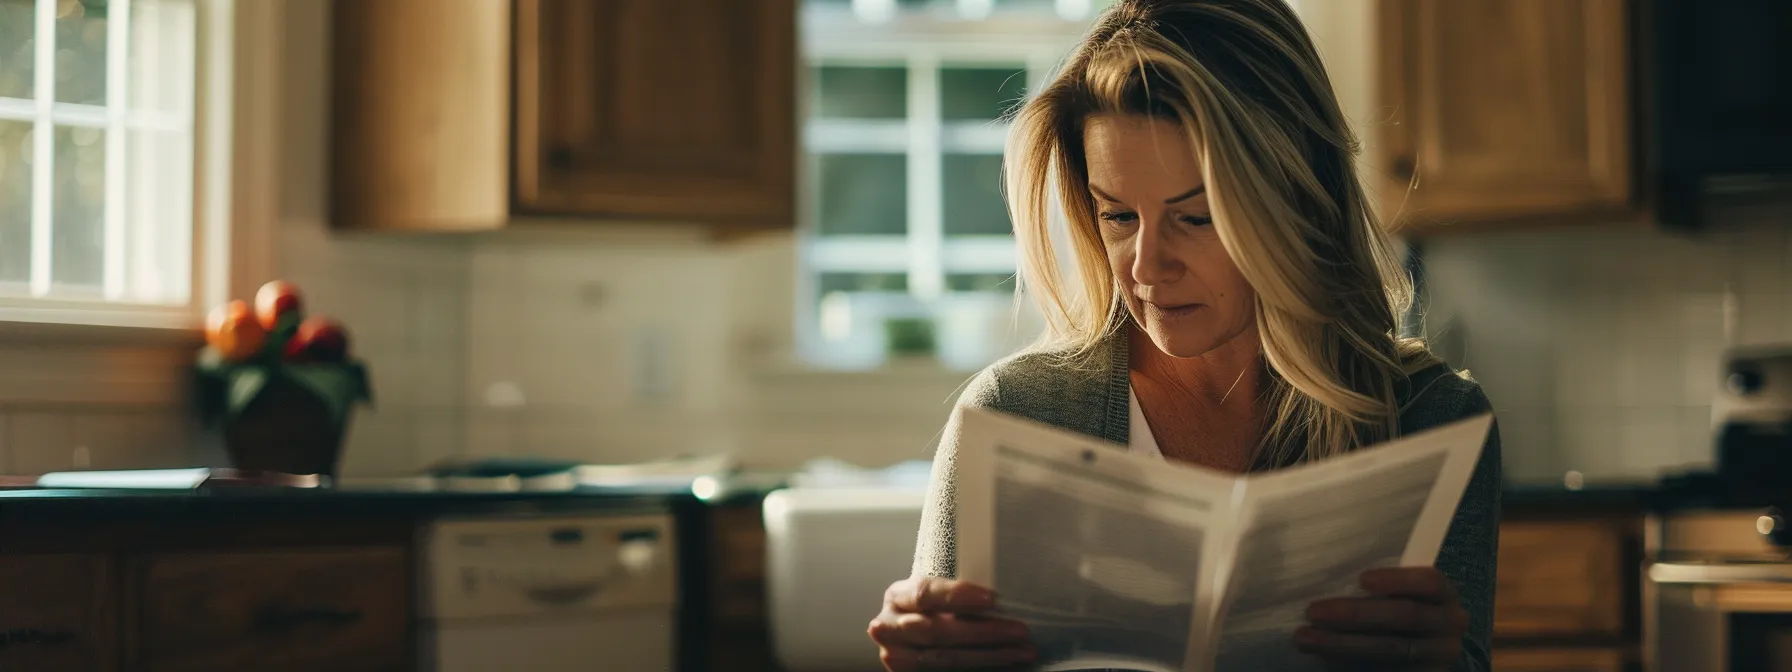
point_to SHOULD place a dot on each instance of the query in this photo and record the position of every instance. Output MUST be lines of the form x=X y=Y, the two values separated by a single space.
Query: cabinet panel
x=341 y=610
x=1504 y=109
x=57 y=613
x=657 y=109
x=1559 y=579
x=420 y=114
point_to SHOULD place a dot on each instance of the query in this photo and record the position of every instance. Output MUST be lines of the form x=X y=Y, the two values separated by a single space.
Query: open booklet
x=1123 y=561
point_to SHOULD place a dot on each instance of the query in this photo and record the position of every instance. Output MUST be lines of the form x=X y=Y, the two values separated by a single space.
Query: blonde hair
x=1245 y=82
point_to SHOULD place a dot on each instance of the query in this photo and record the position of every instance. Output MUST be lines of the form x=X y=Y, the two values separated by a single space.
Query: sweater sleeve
x=1471 y=547
x=935 y=546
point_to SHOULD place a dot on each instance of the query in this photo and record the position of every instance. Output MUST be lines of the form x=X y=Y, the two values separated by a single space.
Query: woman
x=1234 y=305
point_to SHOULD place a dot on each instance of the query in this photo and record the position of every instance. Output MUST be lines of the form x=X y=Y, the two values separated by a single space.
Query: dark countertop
x=1551 y=498
x=39 y=503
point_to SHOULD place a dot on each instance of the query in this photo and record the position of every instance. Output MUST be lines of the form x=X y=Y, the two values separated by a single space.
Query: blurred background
x=771 y=234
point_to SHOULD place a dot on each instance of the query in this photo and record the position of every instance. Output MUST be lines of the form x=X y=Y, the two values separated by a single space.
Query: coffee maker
x=1752 y=426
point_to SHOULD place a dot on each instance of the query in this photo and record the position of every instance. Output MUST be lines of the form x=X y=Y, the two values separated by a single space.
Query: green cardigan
x=1093 y=400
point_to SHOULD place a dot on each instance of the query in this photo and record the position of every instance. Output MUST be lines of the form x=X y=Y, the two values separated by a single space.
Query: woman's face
x=1151 y=205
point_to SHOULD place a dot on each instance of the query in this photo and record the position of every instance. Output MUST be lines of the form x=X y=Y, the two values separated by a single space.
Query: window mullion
x=926 y=274
x=43 y=149
x=118 y=31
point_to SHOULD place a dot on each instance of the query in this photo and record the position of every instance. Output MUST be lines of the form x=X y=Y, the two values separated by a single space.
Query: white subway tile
x=382 y=442
x=441 y=434
x=490 y=433
x=5 y=441
x=1588 y=441
x=1650 y=441
x=1697 y=438
x=1649 y=374
x=139 y=439
x=41 y=441
x=1527 y=444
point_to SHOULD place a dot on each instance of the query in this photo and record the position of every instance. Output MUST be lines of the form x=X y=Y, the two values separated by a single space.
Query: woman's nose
x=1153 y=263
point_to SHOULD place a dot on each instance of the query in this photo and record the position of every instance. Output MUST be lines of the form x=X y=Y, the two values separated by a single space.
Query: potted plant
x=282 y=386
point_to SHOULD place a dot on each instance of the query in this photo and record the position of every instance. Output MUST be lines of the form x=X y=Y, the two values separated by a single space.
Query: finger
x=1386 y=615
x=928 y=630
x=974 y=658
x=932 y=593
x=1419 y=583
x=1386 y=650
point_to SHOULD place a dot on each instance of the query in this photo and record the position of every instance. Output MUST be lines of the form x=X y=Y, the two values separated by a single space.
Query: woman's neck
x=1204 y=410
x=1231 y=374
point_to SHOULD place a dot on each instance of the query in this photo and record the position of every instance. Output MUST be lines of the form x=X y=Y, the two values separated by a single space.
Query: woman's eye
x=1118 y=217
x=1193 y=220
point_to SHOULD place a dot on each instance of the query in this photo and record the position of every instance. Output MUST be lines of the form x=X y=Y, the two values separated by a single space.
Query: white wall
x=1600 y=347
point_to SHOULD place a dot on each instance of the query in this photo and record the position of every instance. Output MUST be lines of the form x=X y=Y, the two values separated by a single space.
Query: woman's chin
x=1181 y=345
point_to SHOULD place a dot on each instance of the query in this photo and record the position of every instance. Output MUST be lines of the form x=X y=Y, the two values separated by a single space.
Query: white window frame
x=921 y=44
x=235 y=184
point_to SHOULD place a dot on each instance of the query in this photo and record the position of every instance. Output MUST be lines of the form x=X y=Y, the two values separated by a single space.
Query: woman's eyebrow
x=1197 y=191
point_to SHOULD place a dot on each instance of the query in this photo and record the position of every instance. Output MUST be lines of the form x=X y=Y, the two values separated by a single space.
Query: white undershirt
x=1138 y=436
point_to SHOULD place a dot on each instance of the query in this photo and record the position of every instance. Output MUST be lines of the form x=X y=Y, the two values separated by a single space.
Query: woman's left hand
x=1411 y=620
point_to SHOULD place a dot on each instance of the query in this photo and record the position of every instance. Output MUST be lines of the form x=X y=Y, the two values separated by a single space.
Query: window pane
x=972 y=186
x=862 y=282
x=864 y=194
x=160 y=63
x=860 y=93
x=15 y=205
x=981 y=282
x=158 y=217
x=18 y=51
x=78 y=228
x=978 y=94
x=81 y=51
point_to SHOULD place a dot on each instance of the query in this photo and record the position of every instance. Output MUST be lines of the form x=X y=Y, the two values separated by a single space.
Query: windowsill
x=88 y=327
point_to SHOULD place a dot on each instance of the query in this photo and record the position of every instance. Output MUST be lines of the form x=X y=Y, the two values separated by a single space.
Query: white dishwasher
x=549 y=594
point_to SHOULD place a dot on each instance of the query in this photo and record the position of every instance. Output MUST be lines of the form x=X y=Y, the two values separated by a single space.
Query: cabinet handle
x=21 y=636
x=281 y=618
x=1404 y=167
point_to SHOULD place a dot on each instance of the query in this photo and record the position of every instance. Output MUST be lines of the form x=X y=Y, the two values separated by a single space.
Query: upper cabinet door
x=657 y=109
x=1503 y=109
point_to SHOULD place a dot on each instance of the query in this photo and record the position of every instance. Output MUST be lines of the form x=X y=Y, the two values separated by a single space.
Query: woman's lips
x=1172 y=312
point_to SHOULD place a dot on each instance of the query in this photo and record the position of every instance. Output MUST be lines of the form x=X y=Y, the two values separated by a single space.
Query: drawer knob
x=276 y=618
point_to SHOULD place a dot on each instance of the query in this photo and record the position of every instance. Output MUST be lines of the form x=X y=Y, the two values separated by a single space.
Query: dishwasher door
x=547 y=594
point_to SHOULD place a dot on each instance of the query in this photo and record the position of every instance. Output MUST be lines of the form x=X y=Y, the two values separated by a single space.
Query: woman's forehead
x=1139 y=157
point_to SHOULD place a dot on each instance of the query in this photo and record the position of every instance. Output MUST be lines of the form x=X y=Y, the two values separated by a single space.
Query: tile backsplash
x=1600 y=347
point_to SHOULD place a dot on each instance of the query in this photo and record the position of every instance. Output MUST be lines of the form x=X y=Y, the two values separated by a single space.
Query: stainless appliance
x=545 y=594
x=1717 y=595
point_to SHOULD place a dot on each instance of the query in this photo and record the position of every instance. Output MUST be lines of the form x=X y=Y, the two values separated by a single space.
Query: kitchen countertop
x=34 y=504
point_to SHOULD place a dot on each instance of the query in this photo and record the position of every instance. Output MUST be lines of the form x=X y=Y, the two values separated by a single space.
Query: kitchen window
x=100 y=192
x=904 y=220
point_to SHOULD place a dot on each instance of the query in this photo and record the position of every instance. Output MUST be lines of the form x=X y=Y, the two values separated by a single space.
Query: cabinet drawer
x=1560 y=579
x=289 y=610
x=57 y=613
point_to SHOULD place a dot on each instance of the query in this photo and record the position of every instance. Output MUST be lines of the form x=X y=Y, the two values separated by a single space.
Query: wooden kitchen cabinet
x=1560 y=578
x=1502 y=110
x=303 y=609
x=1558 y=660
x=57 y=612
x=477 y=115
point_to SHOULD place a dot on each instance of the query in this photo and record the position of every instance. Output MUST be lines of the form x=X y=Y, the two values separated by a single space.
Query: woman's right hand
x=930 y=623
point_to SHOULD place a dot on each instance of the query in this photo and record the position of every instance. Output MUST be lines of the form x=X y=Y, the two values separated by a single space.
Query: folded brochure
x=1122 y=561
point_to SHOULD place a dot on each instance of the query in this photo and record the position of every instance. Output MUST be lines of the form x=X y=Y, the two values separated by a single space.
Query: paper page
x=1099 y=551
x=1308 y=532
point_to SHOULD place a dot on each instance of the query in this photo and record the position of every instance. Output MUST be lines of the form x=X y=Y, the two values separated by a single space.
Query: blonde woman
x=1234 y=304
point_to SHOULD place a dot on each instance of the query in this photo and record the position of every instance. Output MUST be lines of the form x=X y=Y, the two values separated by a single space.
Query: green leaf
x=245 y=383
